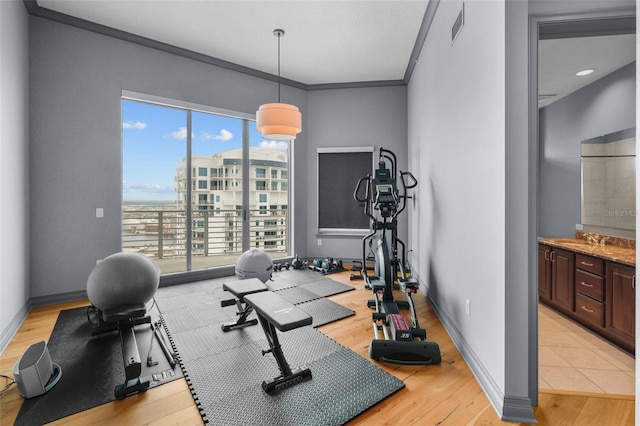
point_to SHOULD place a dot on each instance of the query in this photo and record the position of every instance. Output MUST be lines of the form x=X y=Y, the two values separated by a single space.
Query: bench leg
x=241 y=322
x=287 y=374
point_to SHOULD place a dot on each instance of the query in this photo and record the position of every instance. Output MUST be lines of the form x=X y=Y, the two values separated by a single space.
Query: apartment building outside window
x=187 y=212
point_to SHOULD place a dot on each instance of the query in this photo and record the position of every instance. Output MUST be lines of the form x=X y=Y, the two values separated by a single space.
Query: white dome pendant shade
x=278 y=121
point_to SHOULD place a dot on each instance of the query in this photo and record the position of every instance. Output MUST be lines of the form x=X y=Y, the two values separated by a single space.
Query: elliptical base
x=405 y=352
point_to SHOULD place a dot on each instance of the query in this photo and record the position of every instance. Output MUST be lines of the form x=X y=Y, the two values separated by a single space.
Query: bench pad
x=277 y=311
x=241 y=288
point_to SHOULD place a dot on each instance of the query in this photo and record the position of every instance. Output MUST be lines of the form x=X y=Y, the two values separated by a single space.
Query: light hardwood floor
x=446 y=394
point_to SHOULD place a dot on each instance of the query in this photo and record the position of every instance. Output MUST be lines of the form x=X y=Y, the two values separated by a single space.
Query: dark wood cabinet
x=544 y=271
x=556 y=269
x=590 y=289
x=621 y=304
x=597 y=293
x=562 y=279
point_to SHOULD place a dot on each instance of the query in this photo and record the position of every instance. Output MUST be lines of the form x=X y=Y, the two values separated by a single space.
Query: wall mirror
x=609 y=183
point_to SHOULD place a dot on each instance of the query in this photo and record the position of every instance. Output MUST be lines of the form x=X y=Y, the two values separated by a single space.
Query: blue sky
x=154 y=143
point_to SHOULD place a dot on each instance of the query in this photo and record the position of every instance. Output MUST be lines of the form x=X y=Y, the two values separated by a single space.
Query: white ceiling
x=325 y=42
x=560 y=59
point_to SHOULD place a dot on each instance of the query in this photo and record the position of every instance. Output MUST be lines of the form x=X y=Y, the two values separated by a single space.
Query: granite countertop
x=613 y=249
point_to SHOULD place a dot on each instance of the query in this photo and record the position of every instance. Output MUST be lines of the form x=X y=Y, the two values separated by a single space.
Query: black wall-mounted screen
x=339 y=170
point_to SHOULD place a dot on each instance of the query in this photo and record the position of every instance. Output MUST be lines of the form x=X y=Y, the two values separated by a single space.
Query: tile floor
x=575 y=359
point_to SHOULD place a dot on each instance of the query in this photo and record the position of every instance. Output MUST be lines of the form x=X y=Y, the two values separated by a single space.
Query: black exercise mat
x=308 y=279
x=323 y=311
x=91 y=368
x=326 y=287
x=342 y=386
x=299 y=287
x=296 y=295
x=225 y=371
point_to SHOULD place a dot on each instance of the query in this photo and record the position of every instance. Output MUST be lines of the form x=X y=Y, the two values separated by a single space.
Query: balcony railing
x=215 y=234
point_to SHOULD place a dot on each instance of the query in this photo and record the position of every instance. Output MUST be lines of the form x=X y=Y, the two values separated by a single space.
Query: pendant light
x=278 y=121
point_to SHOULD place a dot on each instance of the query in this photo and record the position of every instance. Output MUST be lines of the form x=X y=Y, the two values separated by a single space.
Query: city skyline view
x=154 y=143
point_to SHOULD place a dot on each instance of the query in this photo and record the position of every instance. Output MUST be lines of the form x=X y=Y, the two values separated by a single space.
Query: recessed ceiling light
x=584 y=72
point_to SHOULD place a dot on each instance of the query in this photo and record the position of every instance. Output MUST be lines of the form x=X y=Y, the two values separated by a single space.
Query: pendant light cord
x=279 y=34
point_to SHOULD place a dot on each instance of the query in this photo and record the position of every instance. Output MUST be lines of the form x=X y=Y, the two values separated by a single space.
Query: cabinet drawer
x=590 y=310
x=591 y=264
x=590 y=285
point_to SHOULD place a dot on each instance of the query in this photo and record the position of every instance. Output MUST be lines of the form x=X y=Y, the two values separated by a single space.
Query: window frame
x=222 y=176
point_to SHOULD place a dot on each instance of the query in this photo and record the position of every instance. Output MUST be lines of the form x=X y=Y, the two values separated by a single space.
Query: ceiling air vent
x=457 y=25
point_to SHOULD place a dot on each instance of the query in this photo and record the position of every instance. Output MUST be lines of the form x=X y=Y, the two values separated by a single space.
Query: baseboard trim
x=488 y=385
x=12 y=328
x=517 y=409
x=53 y=299
x=507 y=408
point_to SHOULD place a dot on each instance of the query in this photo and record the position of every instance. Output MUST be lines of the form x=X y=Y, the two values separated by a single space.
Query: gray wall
x=373 y=116
x=457 y=146
x=605 y=106
x=76 y=81
x=14 y=167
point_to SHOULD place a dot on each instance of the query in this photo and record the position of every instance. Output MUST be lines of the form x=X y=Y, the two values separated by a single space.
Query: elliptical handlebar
x=414 y=181
x=367 y=197
x=405 y=187
x=357 y=190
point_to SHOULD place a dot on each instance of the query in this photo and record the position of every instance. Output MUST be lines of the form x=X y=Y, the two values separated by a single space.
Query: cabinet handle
x=546 y=255
x=586 y=285
x=586 y=263
x=551 y=257
x=584 y=308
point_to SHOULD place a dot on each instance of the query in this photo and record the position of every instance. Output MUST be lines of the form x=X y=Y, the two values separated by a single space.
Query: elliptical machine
x=404 y=341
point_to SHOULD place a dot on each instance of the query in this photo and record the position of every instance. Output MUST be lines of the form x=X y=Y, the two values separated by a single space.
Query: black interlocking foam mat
x=225 y=371
x=91 y=367
x=303 y=277
x=324 y=311
x=342 y=386
x=296 y=295
x=326 y=287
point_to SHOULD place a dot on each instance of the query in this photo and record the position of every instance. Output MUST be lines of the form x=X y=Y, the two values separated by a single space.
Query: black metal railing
x=162 y=234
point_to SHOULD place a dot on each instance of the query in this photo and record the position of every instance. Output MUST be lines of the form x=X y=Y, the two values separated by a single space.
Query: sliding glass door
x=200 y=188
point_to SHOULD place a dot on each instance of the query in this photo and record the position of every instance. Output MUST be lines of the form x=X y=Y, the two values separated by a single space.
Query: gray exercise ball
x=254 y=263
x=122 y=279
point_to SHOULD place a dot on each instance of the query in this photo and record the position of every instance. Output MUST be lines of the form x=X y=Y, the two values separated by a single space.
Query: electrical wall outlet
x=468 y=307
x=319 y=241
x=99 y=212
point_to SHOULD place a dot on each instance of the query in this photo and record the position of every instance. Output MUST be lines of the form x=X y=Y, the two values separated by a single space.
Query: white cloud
x=146 y=187
x=137 y=125
x=223 y=136
x=276 y=145
x=180 y=133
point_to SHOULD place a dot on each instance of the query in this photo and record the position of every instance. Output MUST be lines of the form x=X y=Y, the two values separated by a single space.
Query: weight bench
x=275 y=312
x=239 y=289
